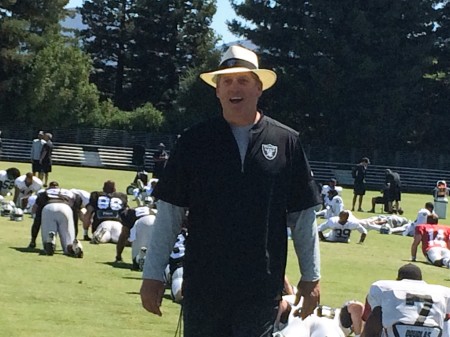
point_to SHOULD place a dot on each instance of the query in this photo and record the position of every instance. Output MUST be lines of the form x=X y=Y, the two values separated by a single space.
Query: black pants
x=221 y=317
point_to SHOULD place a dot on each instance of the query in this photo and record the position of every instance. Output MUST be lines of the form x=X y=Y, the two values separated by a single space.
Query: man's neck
x=242 y=119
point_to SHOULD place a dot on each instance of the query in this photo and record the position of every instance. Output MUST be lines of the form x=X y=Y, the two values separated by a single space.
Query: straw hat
x=238 y=59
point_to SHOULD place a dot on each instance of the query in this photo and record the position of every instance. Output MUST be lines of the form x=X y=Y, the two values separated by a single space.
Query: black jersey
x=58 y=195
x=130 y=215
x=107 y=206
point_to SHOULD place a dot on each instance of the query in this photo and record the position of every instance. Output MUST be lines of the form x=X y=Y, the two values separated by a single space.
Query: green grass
x=61 y=296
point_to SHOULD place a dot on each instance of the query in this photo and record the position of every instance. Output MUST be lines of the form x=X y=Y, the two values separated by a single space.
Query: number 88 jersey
x=410 y=307
x=107 y=206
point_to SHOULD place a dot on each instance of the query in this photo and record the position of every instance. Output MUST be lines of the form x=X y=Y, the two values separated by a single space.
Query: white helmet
x=16 y=214
x=385 y=229
x=6 y=209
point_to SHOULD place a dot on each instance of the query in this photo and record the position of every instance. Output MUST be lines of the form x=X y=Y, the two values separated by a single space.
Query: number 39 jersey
x=107 y=206
x=409 y=307
x=339 y=232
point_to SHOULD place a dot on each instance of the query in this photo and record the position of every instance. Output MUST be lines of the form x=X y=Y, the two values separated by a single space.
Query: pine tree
x=142 y=48
x=350 y=70
x=107 y=39
x=26 y=27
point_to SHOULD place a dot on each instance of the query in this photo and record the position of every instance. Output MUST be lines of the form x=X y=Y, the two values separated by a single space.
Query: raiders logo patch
x=269 y=151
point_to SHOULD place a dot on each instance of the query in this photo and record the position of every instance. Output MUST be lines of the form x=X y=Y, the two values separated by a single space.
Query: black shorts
x=46 y=167
x=36 y=166
x=359 y=189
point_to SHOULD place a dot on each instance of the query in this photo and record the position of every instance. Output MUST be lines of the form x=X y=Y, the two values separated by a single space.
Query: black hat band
x=234 y=63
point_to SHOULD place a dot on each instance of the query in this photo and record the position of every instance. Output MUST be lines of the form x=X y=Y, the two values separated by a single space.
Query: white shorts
x=437 y=253
x=312 y=326
x=140 y=233
x=110 y=231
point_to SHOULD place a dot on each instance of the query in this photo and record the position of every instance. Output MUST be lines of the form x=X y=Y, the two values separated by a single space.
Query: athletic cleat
x=77 y=248
x=32 y=245
x=50 y=245
x=86 y=238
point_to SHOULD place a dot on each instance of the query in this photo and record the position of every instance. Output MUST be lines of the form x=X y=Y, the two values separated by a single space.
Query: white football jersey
x=340 y=233
x=35 y=186
x=396 y=221
x=326 y=189
x=6 y=185
x=422 y=216
x=409 y=307
x=334 y=207
x=140 y=233
x=314 y=325
x=84 y=195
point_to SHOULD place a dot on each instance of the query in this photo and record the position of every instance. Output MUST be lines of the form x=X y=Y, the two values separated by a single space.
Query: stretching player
x=36 y=213
x=7 y=179
x=104 y=206
x=136 y=228
x=25 y=186
x=435 y=241
x=422 y=216
x=332 y=185
x=386 y=224
x=406 y=307
x=341 y=228
x=334 y=205
x=58 y=208
x=325 y=322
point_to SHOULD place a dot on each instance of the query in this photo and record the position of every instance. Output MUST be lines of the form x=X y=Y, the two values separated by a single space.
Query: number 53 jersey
x=410 y=307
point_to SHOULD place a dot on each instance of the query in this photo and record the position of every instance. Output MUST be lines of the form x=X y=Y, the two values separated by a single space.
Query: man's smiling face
x=238 y=94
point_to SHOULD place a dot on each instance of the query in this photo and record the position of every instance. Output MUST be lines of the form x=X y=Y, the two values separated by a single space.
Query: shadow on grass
x=120 y=265
x=38 y=251
x=167 y=297
x=133 y=293
x=31 y=250
x=138 y=277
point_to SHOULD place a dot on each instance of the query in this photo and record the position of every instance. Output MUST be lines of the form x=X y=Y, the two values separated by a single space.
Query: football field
x=47 y=296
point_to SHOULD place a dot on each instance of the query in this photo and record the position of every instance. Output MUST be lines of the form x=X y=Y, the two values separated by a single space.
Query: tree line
x=371 y=73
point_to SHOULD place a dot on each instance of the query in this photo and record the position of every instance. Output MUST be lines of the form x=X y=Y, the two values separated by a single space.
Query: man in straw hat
x=406 y=307
x=243 y=177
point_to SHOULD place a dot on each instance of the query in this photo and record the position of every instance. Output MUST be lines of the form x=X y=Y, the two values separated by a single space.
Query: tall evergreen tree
x=107 y=39
x=171 y=37
x=141 y=48
x=26 y=27
x=350 y=70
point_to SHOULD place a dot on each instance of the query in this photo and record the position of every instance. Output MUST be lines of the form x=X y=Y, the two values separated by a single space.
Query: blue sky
x=224 y=12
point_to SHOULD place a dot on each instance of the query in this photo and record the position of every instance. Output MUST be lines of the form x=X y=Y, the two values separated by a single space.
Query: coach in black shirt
x=243 y=177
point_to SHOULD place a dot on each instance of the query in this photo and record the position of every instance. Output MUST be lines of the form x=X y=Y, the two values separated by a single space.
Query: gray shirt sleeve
x=162 y=237
x=306 y=242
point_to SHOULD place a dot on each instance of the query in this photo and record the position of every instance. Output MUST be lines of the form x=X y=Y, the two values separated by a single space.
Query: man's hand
x=152 y=292
x=310 y=291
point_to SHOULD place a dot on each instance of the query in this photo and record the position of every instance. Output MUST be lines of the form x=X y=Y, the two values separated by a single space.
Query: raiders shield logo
x=269 y=151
